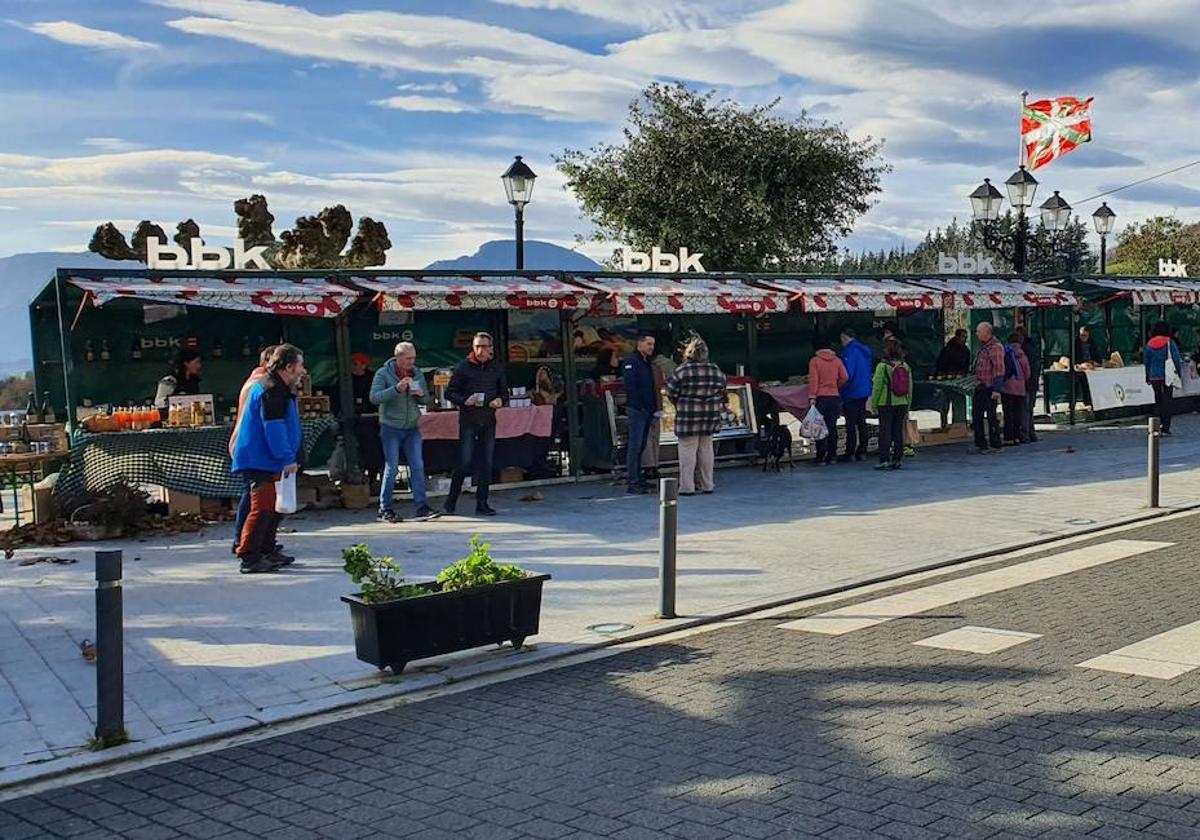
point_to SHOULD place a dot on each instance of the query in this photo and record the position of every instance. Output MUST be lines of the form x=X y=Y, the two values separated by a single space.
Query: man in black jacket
x=641 y=402
x=477 y=388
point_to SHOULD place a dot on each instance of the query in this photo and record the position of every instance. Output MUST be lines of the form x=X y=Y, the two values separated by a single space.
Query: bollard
x=668 y=529
x=1152 y=463
x=110 y=650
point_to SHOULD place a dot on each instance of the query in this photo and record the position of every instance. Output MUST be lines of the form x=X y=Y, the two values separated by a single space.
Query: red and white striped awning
x=311 y=297
x=648 y=294
x=1148 y=290
x=996 y=293
x=833 y=294
x=467 y=291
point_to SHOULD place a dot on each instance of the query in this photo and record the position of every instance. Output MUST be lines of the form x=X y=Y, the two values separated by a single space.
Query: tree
x=1140 y=246
x=752 y=190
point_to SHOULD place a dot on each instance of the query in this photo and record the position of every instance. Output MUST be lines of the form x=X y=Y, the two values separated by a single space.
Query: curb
x=13 y=782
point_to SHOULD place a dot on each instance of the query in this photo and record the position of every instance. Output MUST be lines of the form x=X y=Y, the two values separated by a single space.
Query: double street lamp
x=518 y=186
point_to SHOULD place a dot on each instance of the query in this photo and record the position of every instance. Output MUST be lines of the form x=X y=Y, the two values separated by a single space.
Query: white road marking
x=978 y=639
x=1162 y=657
x=915 y=601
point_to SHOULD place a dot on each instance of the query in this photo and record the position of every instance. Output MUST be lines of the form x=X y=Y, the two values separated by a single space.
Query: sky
x=409 y=110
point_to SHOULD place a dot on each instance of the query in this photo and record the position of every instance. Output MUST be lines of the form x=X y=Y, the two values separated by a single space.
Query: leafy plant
x=477 y=569
x=380 y=578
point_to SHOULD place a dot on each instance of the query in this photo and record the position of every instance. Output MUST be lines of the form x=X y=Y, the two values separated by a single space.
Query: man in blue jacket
x=641 y=402
x=267 y=447
x=857 y=358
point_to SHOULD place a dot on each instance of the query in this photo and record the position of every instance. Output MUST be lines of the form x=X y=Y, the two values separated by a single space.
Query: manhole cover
x=611 y=627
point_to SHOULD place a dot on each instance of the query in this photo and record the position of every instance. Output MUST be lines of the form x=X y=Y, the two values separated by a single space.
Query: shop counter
x=186 y=460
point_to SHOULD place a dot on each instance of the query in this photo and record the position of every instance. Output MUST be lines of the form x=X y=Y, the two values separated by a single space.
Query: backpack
x=1010 y=364
x=898 y=380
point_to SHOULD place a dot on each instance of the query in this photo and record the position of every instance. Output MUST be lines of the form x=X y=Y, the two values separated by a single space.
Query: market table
x=523 y=438
x=186 y=460
x=947 y=389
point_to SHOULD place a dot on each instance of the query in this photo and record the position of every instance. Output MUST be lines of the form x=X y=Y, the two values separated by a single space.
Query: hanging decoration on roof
x=1050 y=128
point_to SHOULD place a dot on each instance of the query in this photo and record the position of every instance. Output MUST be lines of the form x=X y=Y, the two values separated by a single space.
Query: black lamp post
x=986 y=202
x=1056 y=216
x=518 y=185
x=1104 y=219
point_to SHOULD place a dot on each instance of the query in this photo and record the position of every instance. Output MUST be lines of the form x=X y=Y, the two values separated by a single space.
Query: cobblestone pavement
x=209 y=651
x=749 y=731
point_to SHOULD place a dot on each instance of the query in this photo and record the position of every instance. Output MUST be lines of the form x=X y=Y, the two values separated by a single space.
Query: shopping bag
x=1172 y=377
x=813 y=426
x=285 y=494
x=912 y=433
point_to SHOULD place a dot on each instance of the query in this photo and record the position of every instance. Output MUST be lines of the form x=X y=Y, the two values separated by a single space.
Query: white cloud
x=66 y=32
x=112 y=144
x=439 y=104
x=443 y=87
x=651 y=14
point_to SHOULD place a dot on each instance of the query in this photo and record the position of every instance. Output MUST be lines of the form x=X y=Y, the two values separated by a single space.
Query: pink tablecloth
x=537 y=420
x=791 y=398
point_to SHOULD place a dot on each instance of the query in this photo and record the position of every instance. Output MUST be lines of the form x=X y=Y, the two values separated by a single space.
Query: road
x=1050 y=694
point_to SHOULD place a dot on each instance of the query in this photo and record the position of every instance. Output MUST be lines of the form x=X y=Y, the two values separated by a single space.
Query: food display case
x=738 y=421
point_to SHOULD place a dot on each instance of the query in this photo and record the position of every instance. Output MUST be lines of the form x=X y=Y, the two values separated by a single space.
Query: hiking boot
x=257 y=566
x=390 y=516
x=425 y=512
x=279 y=559
x=484 y=510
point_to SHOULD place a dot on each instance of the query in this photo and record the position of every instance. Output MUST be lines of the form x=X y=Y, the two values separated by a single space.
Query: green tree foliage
x=752 y=190
x=1139 y=247
x=1047 y=254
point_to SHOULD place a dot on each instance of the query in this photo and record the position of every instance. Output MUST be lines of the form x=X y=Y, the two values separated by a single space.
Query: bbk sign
x=1172 y=268
x=964 y=264
x=162 y=255
x=656 y=260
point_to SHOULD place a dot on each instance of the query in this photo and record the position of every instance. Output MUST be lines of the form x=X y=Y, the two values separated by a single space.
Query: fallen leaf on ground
x=87 y=650
x=535 y=496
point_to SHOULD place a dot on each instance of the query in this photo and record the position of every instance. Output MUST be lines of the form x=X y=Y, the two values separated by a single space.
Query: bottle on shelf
x=245 y=347
x=32 y=414
x=135 y=349
x=89 y=354
x=105 y=353
x=218 y=349
x=48 y=415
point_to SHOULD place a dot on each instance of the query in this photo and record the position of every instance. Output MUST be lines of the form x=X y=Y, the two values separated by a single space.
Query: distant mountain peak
x=501 y=254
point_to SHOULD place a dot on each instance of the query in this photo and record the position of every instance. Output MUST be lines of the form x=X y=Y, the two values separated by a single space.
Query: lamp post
x=518 y=186
x=986 y=202
x=1104 y=219
x=1056 y=216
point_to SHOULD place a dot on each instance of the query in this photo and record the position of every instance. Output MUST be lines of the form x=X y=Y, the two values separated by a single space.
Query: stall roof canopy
x=849 y=294
x=996 y=292
x=650 y=294
x=473 y=291
x=1148 y=290
x=273 y=294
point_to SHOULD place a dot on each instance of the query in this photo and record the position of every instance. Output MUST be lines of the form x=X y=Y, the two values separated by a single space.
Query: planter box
x=395 y=633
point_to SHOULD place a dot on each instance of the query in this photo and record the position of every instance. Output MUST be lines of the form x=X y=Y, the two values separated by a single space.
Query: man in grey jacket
x=399 y=390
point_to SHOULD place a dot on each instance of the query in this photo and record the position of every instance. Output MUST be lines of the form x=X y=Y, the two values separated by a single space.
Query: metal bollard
x=668 y=530
x=1152 y=463
x=110 y=650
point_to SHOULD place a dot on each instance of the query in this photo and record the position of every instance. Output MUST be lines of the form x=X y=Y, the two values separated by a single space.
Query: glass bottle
x=135 y=349
x=89 y=355
x=105 y=353
x=32 y=415
x=218 y=349
x=48 y=415
x=245 y=347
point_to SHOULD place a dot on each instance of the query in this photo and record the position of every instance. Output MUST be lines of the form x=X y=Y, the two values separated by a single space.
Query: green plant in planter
x=477 y=569
x=379 y=578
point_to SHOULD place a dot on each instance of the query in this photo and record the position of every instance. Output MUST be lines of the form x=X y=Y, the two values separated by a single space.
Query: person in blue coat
x=641 y=403
x=267 y=447
x=858 y=359
x=1159 y=348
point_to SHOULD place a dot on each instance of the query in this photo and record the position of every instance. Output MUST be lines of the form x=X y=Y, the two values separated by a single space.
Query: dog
x=774 y=444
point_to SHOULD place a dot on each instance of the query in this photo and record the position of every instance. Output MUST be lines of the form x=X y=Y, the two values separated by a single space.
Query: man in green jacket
x=399 y=390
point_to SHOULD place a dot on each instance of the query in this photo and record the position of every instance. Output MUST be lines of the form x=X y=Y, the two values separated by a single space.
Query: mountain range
x=23 y=276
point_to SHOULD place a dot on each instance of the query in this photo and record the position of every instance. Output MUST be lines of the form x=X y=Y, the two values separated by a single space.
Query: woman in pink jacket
x=1012 y=392
x=826 y=376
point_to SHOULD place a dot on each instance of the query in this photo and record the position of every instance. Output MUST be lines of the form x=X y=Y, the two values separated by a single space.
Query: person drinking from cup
x=399 y=390
x=477 y=388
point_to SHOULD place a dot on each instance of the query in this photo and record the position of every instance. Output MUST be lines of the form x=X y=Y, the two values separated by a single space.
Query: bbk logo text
x=656 y=260
x=161 y=255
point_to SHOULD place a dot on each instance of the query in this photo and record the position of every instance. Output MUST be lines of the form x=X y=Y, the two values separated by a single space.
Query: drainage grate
x=611 y=627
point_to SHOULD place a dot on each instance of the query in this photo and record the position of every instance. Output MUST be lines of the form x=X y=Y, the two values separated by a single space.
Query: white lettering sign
x=161 y=255
x=656 y=260
x=964 y=264
x=1172 y=268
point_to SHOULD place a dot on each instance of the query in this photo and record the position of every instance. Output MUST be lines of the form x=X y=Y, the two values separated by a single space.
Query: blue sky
x=409 y=110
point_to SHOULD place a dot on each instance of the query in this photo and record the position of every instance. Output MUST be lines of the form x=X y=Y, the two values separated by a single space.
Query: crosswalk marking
x=915 y=601
x=972 y=639
x=1162 y=657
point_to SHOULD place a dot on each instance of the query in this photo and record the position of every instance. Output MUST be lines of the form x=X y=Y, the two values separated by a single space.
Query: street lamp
x=1056 y=213
x=985 y=202
x=518 y=185
x=1104 y=219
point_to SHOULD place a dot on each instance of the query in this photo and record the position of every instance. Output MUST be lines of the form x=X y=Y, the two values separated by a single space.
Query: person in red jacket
x=826 y=376
x=1012 y=392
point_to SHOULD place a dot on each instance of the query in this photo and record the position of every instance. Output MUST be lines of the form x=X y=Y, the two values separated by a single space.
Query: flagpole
x=1020 y=136
x=1019 y=239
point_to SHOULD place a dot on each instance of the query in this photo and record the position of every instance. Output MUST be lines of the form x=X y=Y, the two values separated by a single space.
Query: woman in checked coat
x=697 y=389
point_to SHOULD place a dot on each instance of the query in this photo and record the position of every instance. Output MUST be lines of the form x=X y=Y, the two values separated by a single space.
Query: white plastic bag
x=1172 y=377
x=285 y=494
x=813 y=426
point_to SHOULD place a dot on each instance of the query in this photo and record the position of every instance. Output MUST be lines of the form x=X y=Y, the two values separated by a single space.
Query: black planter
x=394 y=633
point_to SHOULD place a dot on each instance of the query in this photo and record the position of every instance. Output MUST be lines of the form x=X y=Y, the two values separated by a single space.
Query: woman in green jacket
x=891 y=395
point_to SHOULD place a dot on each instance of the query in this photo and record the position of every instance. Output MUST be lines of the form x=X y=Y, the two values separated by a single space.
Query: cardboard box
x=511 y=475
x=183 y=503
x=355 y=496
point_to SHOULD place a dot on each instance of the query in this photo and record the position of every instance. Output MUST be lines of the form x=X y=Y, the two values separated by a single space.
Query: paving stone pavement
x=752 y=731
x=208 y=650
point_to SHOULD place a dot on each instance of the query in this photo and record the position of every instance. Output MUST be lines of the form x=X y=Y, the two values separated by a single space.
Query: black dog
x=774 y=444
